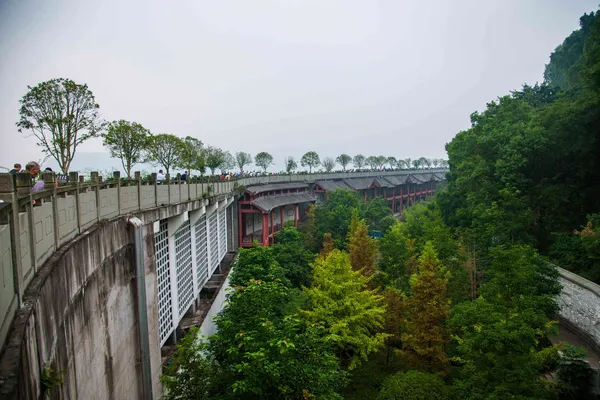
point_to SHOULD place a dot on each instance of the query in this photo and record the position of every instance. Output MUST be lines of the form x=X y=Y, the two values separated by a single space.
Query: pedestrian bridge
x=97 y=276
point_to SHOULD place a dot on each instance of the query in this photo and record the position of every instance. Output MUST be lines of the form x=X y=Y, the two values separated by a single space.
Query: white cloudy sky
x=384 y=77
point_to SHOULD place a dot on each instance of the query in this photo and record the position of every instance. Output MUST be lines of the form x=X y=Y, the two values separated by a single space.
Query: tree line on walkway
x=62 y=115
x=528 y=169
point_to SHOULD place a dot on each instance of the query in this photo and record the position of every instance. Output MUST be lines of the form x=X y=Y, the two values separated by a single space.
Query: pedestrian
x=16 y=168
x=184 y=176
x=160 y=177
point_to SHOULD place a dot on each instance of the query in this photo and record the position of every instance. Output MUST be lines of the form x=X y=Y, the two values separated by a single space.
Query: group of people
x=34 y=169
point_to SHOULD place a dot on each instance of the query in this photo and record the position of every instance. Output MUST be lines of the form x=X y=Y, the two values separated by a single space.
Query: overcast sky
x=392 y=77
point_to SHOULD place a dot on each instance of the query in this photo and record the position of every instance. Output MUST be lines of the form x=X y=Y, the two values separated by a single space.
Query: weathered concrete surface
x=80 y=319
x=579 y=305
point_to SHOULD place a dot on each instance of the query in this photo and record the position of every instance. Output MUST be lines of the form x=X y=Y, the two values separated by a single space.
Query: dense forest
x=456 y=300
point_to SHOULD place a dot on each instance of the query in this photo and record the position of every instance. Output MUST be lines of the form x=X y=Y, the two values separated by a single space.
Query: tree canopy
x=61 y=115
x=166 y=150
x=263 y=160
x=311 y=160
x=126 y=141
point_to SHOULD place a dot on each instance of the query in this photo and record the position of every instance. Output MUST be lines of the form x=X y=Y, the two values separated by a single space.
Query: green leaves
x=263 y=160
x=61 y=115
x=127 y=141
x=168 y=151
x=311 y=160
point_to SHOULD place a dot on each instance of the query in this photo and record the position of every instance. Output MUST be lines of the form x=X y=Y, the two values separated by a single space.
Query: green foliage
x=343 y=160
x=362 y=249
x=215 y=158
x=242 y=159
x=263 y=160
x=290 y=253
x=166 y=150
x=328 y=163
x=574 y=376
x=580 y=251
x=257 y=263
x=335 y=215
x=498 y=334
x=426 y=334
x=290 y=164
x=126 y=141
x=529 y=164
x=265 y=353
x=194 y=158
x=311 y=160
x=191 y=373
x=414 y=385
x=351 y=314
x=375 y=213
x=397 y=257
x=359 y=161
x=61 y=115
x=50 y=380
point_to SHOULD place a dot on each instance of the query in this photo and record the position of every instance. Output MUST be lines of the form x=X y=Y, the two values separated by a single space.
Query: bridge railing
x=34 y=225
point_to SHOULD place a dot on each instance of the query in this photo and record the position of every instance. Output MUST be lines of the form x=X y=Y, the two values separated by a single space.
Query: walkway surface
x=565 y=335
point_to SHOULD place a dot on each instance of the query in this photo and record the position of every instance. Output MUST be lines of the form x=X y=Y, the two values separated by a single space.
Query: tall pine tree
x=427 y=313
x=362 y=249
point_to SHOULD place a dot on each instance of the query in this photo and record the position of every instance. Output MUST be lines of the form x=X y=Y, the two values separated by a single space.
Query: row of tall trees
x=62 y=115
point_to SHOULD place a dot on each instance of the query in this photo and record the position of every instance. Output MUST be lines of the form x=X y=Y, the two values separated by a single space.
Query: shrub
x=414 y=385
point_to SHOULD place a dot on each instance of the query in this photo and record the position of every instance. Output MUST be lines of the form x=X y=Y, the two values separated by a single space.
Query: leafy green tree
x=414 y=385
x=195 y=157
x=290 y=164
x=309 y=230
x=166 y=150
x=372 y=162
x=498 y=334
x=126 y=141
x=242 y=159
x=290 y=253
x=343 y=159
x=335 y=215
x=351 y=314
x=263 y=160
x=359 y=161
x=258 y=263
x=190 y=374
x=268 y=354
x=397 y=257
x=376 y=210
x=380 y=161
x=407 y=163
x=428 y=308
x=328 y=163
x=416 y=164
x=61 y=115
x=215 y=157
x=394 y=323
x=311 y=160
x=391 y=161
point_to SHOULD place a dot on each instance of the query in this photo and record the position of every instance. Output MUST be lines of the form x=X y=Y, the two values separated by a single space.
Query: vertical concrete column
x=155 y=189
x=265 y=229
x=168 y=180
x=138 y=182
x=74 y=181
x=8 y=193
x=235 y=226
x=50 y=183
x=117 y=178
x=96 y=182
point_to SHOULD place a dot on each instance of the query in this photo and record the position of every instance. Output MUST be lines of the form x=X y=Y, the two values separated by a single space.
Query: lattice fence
x=213 y=242
x=201 y=252
x=183 y=263
x=165 y=311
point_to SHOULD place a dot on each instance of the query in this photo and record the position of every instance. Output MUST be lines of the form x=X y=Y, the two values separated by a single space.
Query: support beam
x=265 y=226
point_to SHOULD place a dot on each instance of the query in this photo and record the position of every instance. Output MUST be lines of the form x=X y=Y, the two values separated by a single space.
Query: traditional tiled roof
x=332 y=186
x=268 y=203
x=275 y=186
x=381 y=182
x=359 y=183
x=396 y=180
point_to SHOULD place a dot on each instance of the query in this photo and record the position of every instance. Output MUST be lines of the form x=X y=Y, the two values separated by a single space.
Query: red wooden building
x=264 y=209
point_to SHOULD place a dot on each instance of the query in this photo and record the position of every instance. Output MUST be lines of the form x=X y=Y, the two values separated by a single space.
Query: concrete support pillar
x=296 y=216
x=282 y=215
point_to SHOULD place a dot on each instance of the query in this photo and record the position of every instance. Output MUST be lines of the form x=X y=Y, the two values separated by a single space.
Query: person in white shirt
x=160 y=177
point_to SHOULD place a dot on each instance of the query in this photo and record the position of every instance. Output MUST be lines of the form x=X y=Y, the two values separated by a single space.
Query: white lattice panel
x=213 y=242
x=201 y=252
x=222 y=234
x=165 y=311
x=183 y=263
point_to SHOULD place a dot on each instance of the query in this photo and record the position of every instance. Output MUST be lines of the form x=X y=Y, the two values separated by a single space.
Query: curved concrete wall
x=580 y=307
